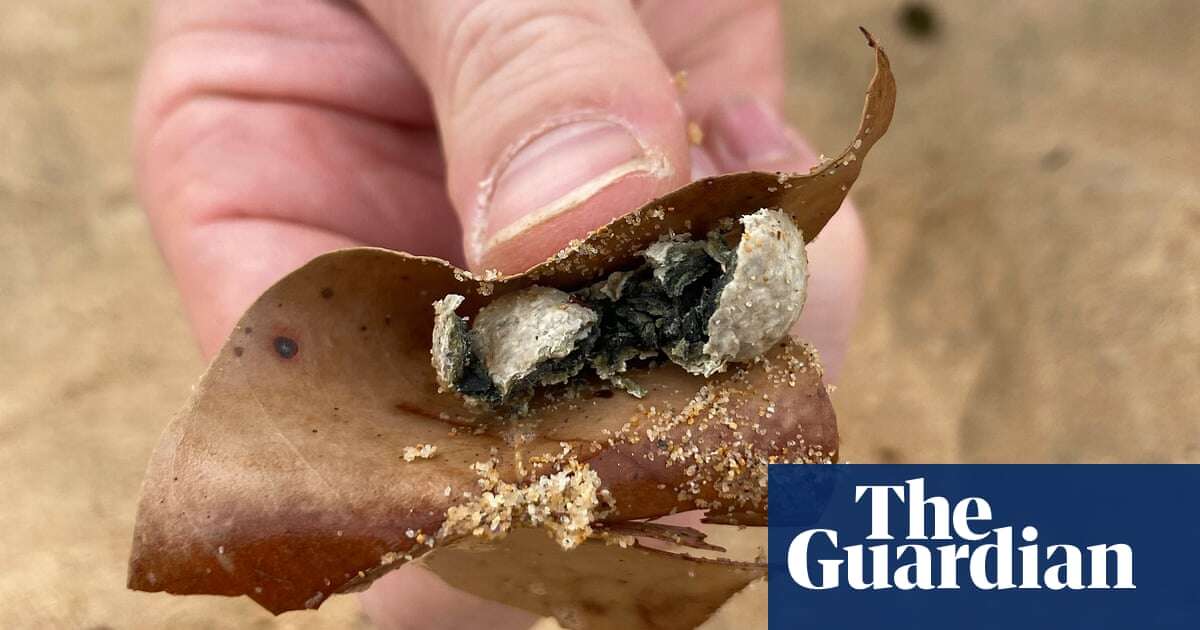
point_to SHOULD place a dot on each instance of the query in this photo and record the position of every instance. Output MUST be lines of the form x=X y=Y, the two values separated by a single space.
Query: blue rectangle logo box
x=984 y=546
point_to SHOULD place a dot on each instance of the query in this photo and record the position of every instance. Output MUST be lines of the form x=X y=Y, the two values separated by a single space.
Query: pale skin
x=488 y=133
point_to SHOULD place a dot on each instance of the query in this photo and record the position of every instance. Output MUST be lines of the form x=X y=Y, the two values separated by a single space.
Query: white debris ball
x=764 y=296
x=521 y=330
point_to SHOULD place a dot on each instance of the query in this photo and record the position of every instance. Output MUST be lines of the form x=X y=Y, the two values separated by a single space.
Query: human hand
x=488 y=133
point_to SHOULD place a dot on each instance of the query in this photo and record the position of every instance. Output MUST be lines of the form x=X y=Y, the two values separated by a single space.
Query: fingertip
x=539 y=235
x=401 y=598
x=573 y=174
x=702 y=164
x=554 y=117
x=747 y=133
x=837 y=263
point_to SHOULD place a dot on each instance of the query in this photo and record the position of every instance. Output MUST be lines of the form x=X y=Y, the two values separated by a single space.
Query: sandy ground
x=1033 y=296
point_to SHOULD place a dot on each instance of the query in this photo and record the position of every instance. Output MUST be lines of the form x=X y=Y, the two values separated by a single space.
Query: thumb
x=555 y=117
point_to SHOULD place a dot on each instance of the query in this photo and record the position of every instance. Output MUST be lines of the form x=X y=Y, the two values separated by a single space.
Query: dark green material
x=667 y=311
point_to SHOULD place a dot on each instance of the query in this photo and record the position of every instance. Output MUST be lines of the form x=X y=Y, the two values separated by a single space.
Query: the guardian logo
x=974 y=554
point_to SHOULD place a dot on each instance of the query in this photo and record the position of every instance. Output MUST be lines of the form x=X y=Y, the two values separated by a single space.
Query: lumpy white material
x=521 y=330
x=448 y=348
x=764 y=296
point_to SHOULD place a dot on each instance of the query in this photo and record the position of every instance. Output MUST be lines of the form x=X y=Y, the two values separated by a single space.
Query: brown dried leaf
x=284 y=477
x=662 y=532
x=596 y=585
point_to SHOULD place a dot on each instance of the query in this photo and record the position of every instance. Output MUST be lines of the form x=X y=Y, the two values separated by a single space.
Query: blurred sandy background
x=1034 y=293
